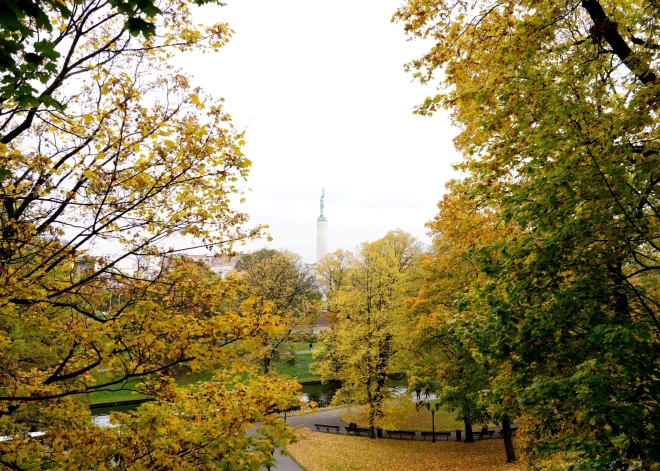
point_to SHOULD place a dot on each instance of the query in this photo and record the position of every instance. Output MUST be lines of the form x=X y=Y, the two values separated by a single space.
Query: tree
x=447 y=314
x=557 y=106
x=281 y=284
x=369 y=326
x=332 y=270
x=116 y=147
x=30 y=48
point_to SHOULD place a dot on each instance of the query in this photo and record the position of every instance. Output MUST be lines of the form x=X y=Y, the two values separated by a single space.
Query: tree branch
x=606 y=29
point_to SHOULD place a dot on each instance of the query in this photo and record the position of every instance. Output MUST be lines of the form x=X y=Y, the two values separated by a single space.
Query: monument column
x=321 y=232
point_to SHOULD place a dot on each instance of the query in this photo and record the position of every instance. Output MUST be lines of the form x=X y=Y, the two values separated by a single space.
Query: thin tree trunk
x=508 y=442
x=469 y=437
x=372 y=415
x=267 y=362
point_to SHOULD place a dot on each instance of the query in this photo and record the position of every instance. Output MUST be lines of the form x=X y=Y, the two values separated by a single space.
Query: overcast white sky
x=322 y=91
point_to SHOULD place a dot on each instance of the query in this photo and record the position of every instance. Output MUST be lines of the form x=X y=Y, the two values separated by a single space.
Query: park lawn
x=125 y=395
x=331 y=452
x=189 y=379
x=295 y=346
x=120 y=395
x=300 y=370
x=401 y=415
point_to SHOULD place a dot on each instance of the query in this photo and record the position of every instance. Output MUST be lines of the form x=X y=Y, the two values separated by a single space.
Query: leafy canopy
x=557 y=106
x=104 y=144
x=369 y=320
x=280 y=283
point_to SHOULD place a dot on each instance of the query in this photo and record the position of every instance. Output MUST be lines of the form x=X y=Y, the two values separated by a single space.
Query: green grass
x=300 y=370
x=124 y=392
x=295 y=346
x=190 y=379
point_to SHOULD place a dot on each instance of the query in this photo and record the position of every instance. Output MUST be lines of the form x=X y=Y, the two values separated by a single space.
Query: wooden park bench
x=483 y=433
x=327 y=428
x=356 y=430
x=513 y=430
x=437 y=434
x=401 y=433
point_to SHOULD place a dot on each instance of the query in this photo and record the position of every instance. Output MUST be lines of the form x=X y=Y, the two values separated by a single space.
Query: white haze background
x=321 y=89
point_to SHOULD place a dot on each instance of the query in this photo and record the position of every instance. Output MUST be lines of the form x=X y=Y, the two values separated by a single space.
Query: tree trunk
x=267 y=361
x=469 y=438
x=372 y=417
x=508 y=442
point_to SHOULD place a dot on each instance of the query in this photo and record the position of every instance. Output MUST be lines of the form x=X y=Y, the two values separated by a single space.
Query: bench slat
x=327 y=427
x=356 y=430
x=401 y=433
x=437 y=434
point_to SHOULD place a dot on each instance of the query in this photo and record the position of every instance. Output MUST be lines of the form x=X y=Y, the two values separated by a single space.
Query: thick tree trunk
x=508 y=442
x=372 y=431
x=469 y=437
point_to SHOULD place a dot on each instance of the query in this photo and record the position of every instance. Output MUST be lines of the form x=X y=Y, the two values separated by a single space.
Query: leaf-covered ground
x=330 y=452
x=401 y=415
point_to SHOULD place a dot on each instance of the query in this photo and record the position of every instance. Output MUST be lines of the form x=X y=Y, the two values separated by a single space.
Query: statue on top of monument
x=322 y=203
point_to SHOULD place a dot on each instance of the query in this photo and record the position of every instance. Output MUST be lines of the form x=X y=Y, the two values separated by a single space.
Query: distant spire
x=321 y=232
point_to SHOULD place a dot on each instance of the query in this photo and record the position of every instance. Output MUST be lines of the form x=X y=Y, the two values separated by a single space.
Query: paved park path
x=326 y=416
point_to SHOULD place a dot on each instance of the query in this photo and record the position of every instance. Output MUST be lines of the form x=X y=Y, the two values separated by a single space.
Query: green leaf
x=33 y=58
x=63 y=9
x=27 y=101
x=52 y=103
x=137 y=26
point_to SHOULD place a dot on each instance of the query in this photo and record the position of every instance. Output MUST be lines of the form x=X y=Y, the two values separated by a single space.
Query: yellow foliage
x=129 y=163
x=369 y=338
x=402 y=415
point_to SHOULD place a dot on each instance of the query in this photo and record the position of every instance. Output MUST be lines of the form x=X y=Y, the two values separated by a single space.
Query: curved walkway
x=329 y=417
x=326 y=416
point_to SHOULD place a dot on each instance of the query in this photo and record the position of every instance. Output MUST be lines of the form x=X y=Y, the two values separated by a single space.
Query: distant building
x=148 y=266
x=85 y=264
x=322 y=323
x=219 y=265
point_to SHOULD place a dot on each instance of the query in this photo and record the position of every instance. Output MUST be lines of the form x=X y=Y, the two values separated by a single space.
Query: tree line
x=537 y=301
x=540 y=295
x=103 y=141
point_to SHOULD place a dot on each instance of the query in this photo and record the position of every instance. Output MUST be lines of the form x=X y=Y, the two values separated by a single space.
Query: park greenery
x=536 y=303
x=557 y=106
x=283 y=285
x=103 y=141
x=369 y=322
x=539 y=296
